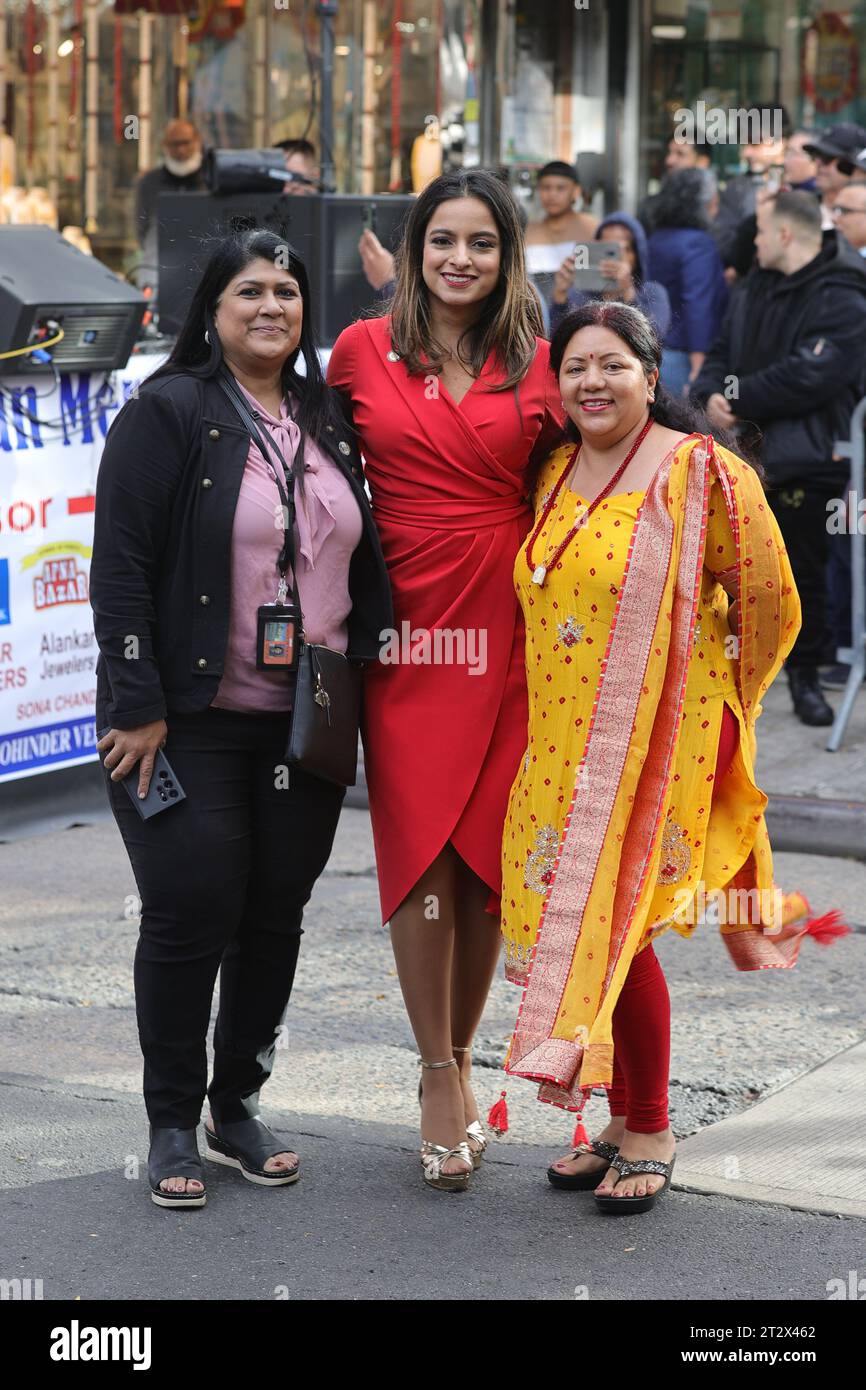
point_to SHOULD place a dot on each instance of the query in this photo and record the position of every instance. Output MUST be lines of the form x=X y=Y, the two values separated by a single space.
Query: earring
x=206 y=336
x=652 y=397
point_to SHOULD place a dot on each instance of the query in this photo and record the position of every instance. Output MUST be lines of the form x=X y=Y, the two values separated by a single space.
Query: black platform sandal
x=247 y=1145
x=582 y=1182
x=625 y=1167
x=174 y=1154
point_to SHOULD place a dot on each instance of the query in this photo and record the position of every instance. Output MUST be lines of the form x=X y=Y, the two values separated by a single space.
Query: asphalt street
x=74 y=1207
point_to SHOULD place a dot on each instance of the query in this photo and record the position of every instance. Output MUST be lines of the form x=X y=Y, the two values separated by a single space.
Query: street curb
x=794 y=1199
x=812 y=1124
x=817 y=825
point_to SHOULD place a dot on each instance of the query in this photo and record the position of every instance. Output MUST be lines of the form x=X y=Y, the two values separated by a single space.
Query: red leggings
x=642 y=1017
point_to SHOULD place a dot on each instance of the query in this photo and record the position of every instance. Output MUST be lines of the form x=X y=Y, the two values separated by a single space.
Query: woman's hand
x=563 y=280
x=618 y=270
x=376 y=260
x=130 y=746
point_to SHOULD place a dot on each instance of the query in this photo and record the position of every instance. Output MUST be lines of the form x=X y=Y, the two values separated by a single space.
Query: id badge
x=276 y=637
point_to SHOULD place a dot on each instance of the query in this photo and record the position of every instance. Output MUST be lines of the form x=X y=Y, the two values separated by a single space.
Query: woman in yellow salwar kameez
x=659 y=606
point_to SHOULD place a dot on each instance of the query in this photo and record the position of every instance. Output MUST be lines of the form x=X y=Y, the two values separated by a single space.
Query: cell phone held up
x=164 y=792
x=587 y=275
x=277 y=637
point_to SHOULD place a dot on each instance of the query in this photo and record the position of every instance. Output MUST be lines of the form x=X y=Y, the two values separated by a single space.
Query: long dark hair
x=638 y=333
x=510 y=320
x=683 y=199
x=319 y=405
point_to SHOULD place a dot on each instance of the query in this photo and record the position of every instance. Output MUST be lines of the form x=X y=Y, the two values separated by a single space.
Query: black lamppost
x=327 y=13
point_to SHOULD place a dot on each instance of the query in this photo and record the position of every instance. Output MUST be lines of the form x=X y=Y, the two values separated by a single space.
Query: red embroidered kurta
x=443 y=734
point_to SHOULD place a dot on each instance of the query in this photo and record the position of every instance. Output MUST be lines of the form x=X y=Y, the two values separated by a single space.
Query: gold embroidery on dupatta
x=517 y=957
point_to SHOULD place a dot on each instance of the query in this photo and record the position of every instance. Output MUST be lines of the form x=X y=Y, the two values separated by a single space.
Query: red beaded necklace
x=582 y=514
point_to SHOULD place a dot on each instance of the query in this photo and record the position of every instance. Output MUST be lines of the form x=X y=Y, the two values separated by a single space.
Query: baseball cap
x=844 y=141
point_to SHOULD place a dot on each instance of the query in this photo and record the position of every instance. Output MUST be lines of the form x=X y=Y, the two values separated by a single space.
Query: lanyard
x=284 y=476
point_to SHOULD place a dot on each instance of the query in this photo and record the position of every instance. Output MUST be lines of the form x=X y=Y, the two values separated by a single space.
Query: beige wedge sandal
x=435 y=1156
x=474 y=1130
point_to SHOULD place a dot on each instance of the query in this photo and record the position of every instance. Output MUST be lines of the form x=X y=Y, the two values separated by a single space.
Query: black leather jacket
x=166 y=495
x=793 y=347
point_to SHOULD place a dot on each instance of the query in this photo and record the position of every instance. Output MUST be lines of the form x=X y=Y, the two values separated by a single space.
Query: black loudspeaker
x=342 y=292
x=323 y=228
x=45 y=279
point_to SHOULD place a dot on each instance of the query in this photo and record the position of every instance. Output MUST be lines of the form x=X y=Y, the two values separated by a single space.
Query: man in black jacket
x=786 y=372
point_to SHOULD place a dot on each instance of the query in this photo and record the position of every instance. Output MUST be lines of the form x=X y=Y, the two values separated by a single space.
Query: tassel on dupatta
x=498 y=1117
x=827 y=929
x=580 y=1135
x=824 y=930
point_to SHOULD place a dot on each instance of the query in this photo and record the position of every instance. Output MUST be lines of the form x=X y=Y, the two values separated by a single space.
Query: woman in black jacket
x=189 y=544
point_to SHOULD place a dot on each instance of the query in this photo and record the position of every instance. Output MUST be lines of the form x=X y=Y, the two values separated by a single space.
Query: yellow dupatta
x=595 y=910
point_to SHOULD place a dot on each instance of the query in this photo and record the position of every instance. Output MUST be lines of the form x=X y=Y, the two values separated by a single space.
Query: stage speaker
x=45 y=278
x=323 y=228
x=343 y=291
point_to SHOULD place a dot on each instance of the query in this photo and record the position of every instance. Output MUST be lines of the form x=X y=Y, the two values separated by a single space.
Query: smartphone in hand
x=587 y=276
x=164 y=792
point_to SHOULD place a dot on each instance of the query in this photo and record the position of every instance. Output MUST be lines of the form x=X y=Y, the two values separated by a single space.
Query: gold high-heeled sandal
x=474 y=1130
x=435 y=1156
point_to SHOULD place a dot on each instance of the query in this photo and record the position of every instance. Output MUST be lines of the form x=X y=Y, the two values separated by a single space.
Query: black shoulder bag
x=326 y=710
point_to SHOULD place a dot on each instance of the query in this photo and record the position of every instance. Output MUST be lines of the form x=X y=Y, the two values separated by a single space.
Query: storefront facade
x=89 y=85
x=86 y=86
x=806 y=56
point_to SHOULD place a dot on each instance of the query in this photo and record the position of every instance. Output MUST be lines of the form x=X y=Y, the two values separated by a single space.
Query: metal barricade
x=853 y=449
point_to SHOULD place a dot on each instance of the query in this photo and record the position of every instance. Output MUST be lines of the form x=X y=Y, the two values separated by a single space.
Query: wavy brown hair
x=510 y=318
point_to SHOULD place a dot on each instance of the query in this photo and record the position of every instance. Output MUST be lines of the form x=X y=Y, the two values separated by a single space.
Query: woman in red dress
x=453 y=401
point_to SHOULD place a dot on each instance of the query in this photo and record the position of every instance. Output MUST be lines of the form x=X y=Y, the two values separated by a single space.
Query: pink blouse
x=328 y=528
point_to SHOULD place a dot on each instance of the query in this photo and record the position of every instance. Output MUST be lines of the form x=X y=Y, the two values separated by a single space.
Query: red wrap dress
x=445 y=713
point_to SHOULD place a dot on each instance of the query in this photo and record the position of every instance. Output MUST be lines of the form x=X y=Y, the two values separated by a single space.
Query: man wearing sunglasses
x=848 y=211
x=835 y=151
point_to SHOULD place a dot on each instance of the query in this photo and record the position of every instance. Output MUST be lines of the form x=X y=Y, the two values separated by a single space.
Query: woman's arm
x=341 y=363
x=142 y=463
x=720 y=550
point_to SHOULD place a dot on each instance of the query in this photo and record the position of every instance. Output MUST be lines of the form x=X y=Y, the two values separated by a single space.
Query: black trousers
x=800 y=508
x=223 y=878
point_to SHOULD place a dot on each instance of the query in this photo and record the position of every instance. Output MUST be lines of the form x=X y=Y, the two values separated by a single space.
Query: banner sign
x=831 y=63
x=51 y=440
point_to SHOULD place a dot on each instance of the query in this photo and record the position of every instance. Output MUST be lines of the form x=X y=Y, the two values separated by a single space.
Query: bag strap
x=287 y=492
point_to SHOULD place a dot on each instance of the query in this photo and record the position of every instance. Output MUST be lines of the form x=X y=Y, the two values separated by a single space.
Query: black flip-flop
x=247 y=1145
x=174 y=1154
x=619 y=1206
x=583 y=1182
